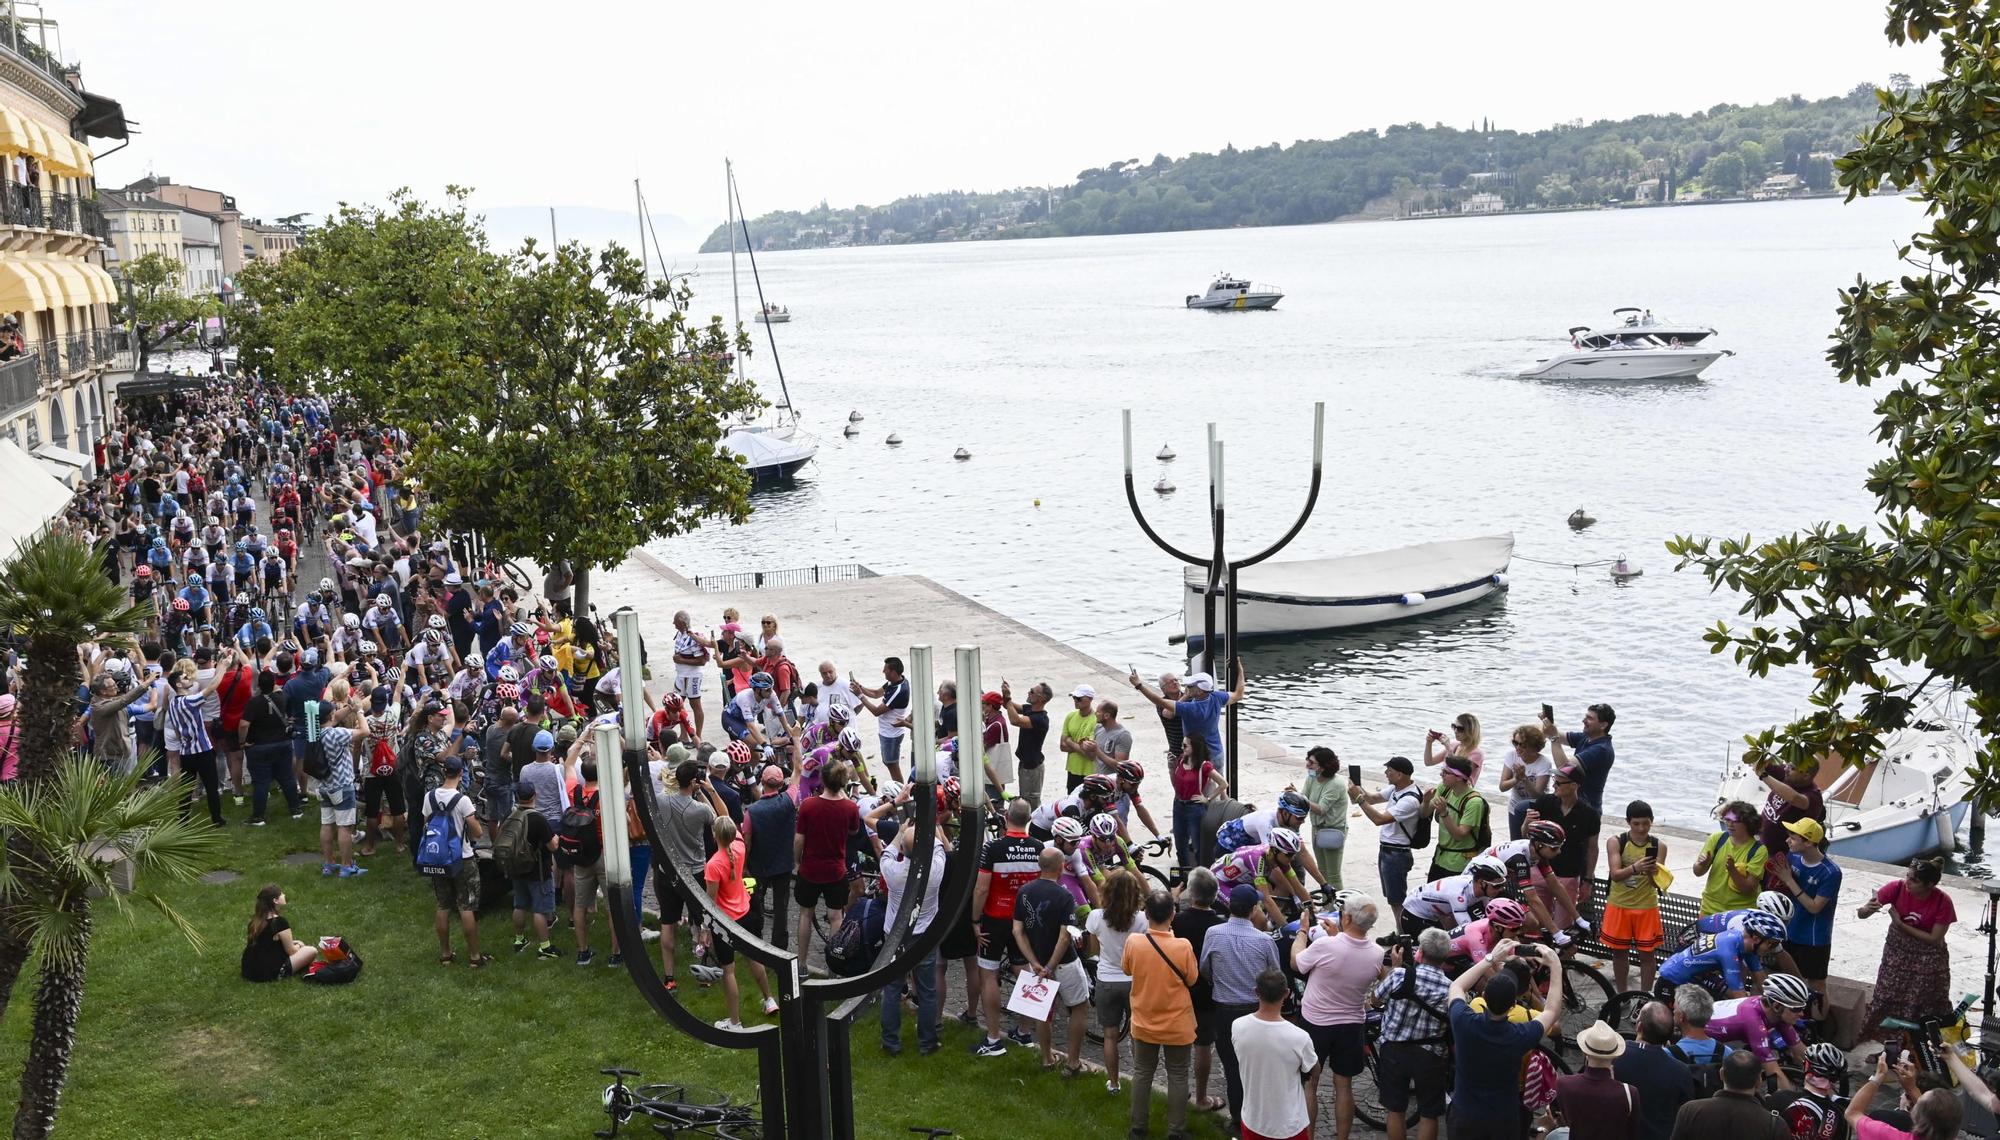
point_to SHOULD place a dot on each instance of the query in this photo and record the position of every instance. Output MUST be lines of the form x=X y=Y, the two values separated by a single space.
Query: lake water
x=1411 y=332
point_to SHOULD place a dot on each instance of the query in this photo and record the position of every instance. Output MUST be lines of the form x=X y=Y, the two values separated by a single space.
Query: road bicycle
x=675 y=1110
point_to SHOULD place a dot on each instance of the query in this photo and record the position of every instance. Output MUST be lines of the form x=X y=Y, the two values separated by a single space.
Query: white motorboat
x=1908 y=802
x=1227 y=292
x=773 y=315
x=1356 y=589
x=1639 y=347
x=772 y=451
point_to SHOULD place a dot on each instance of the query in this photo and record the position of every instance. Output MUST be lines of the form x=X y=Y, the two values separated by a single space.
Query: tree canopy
x=556 y=401
x=155 y=306
x=1890 y=613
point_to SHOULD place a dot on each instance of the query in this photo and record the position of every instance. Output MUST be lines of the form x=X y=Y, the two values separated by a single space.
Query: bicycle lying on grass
x=676 y=1110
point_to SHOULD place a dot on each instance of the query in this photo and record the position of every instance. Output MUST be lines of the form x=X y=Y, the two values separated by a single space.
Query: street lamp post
x=1221 y=571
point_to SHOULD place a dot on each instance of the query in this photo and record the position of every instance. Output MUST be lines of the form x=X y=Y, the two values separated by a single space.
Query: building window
x=34 y=430
x=58 y=430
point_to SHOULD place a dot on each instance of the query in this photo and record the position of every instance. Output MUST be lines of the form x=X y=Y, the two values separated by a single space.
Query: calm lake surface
x=1411 y=332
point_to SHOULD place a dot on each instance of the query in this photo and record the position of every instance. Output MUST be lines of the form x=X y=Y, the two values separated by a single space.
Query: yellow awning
x=103 y=289
x=75 y=286
x=62 y=153
x=20 y=287
x=14 y=137
x=54 y=291
x=38 y=139
x=82 y=149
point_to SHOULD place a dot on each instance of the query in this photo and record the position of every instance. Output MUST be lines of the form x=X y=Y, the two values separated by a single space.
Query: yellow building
x=138 y=226
x=54 y=398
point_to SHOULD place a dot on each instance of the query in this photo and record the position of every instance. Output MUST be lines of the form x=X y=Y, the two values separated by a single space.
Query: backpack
x=1707 y=1074
x=1483 y=838
x=516 y=856
x=339 y=962
x=852 y=949
x=1419 y=833
x=441 y=847
x=382 y=761
x=314 y=761
x=1538 y=1080
x=579 y=843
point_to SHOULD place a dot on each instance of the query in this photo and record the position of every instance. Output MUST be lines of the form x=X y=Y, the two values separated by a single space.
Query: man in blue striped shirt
x=1232 y=956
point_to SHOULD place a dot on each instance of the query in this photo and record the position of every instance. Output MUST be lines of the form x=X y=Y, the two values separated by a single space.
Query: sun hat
x=1601 y=1041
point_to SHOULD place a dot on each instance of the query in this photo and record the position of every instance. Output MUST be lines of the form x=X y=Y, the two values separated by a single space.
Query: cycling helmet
x=1284 y=840
x=951 y=789
x=1786 y=990
x=215 y=520
x=1546 y=832
x=1774 y=903
x=838 y=715
x=434 y=637
x=850 y=740
x=257 y=613
x=1506 y=913
x=368 y=648
x=1066 y=830
x=326 y=585
x=181 y=605
x=284 y=532
x=242 y=546
x=1826 y=1059
x=1131 y=770
x=1104 y=825
x=158 y=542
x=547 y=661
x=520 y=629
x=1292 y=803
x=382 y=601
x=889 y=791
x=1487 y=869
x=509 y=675
x=738 y=752
x=351 y=621
x=1342 y=898
x=760 y=680
x=1099 y=786
x=1765 y=926
x=436 y=621
x=143 y=572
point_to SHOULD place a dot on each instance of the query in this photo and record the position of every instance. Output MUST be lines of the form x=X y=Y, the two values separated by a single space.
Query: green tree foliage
x=1725 y=173
x=156 y=308
x=1919 y=587
x=557 y=403
x=1318 y=180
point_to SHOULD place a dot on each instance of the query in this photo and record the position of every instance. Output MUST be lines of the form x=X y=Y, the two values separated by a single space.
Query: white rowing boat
x=1356 y=589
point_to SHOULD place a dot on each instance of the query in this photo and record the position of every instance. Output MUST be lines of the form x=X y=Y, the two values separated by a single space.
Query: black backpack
x=338 y=964
x=852 y=949
x=578 y=843
x=1419 y=832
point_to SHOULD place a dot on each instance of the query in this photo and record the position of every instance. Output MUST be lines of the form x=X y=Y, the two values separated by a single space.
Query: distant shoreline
x=1441 y=216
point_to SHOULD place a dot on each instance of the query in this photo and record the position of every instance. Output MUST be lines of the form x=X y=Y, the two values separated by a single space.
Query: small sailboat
x=773 y=450
x=1166 y=454
x=961 y=453
x=894 y=440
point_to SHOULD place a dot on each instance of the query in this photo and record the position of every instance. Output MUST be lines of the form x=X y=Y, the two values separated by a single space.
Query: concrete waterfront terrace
x=857 y=623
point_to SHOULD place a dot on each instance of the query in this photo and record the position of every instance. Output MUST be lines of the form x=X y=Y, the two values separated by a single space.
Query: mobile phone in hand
x=1548 y=712
x=1354 y=774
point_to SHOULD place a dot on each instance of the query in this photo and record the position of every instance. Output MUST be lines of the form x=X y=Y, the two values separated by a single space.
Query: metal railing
x=20 y=383
x=21 y=205
x=21 y=39
x=61 y=214
x=90 y=220
x=802 y=576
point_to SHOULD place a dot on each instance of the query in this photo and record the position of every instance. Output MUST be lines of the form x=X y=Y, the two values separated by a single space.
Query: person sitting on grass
x=271 y=952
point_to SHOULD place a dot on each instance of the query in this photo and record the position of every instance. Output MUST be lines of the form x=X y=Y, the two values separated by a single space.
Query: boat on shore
x=1226 y=292
x=1639 y=347
x=1356 y=589
x=1906 y=803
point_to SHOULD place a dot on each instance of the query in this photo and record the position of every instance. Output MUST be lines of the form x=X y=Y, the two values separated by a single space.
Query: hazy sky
x=295 y=105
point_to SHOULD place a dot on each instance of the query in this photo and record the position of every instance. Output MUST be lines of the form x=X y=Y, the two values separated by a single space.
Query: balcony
x=23 y=40
x=61 y=214
x=21 y=204
x=20 y=383
x=90 y=218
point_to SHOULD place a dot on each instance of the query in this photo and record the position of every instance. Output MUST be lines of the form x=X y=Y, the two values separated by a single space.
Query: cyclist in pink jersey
x=1266 y=866
x=1076 y=879
x=1765 y=1024
x=1475 y=939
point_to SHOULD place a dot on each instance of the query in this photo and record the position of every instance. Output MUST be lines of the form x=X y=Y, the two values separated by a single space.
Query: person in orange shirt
x=724 y=875
x=1162 y=970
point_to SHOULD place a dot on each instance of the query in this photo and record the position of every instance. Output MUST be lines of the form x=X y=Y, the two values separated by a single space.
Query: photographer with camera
x=1415 y=1037
x=1486 y=1094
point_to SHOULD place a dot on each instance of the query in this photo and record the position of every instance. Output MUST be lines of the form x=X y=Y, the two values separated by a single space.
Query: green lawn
x=173 y=1044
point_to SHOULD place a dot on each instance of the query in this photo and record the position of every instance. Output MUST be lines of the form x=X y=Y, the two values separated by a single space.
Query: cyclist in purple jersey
x=1766 y=1025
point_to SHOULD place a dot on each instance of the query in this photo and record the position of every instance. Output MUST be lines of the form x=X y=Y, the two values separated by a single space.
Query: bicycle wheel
x=1157 y=876
x=748 y=1130
x=1585 y=992
x=515 y=574
x=693 y=1095
x=1622 y=1012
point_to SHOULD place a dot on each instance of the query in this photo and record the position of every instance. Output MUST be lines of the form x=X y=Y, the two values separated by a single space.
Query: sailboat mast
x=645 y=265
x=735 y=295
x=763 y=306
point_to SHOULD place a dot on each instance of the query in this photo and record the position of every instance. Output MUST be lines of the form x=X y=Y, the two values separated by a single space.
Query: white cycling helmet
x=351 y=621
x=850 y=740
x=369 y=648
x=1774 y=903
x=436 y=621
x=1104 y=825
x=889 y=791
x=1786 y=990
x=1284 y=840
x=1487 y=869
x=1067 y=829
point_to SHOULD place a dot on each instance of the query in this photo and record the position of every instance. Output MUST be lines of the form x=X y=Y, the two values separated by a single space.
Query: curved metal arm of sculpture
x=640 y=964
x=957 y=889
x=1312 y=496
x=1132 y=499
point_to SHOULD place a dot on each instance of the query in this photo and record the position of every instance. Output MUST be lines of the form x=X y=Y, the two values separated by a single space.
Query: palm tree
x=78 y=825
x=54 y=595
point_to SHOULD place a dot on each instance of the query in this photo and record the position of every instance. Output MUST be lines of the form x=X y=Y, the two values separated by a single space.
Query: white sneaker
x=650 y=934
x=725 y=1023
x=770 y=1005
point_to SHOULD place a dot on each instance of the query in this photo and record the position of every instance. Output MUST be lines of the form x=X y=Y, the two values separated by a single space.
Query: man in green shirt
x=1079 y=728
x=1460 y=811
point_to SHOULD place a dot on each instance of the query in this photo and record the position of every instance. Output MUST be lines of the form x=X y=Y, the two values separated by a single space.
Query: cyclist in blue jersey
x=1730 y=953
x=1773 y=903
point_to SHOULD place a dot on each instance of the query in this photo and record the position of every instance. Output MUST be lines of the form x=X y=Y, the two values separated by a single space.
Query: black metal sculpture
x=804 y=1063
x=1222 y=572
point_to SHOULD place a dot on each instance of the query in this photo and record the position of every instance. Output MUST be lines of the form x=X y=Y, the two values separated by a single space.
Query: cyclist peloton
x=1772 y=903
x=1723 y=958
x=1258 y=827
x=1527 y=861
x=1265 y=866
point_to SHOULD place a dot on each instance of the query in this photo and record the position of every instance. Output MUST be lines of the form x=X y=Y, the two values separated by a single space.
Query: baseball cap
x=379 y=699
x=774 y=776
x=1243 y=897
x=1202 y=681
x=566 y=735
x=524 y=790
x=545 y=741
x=1808 y=830
x=1571 y=772
x=1083 y=691
x=1501 y=991
x=1402 y=764
x=718 y=759
x=454 y=765
x=311 y=656
x=991 y=698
